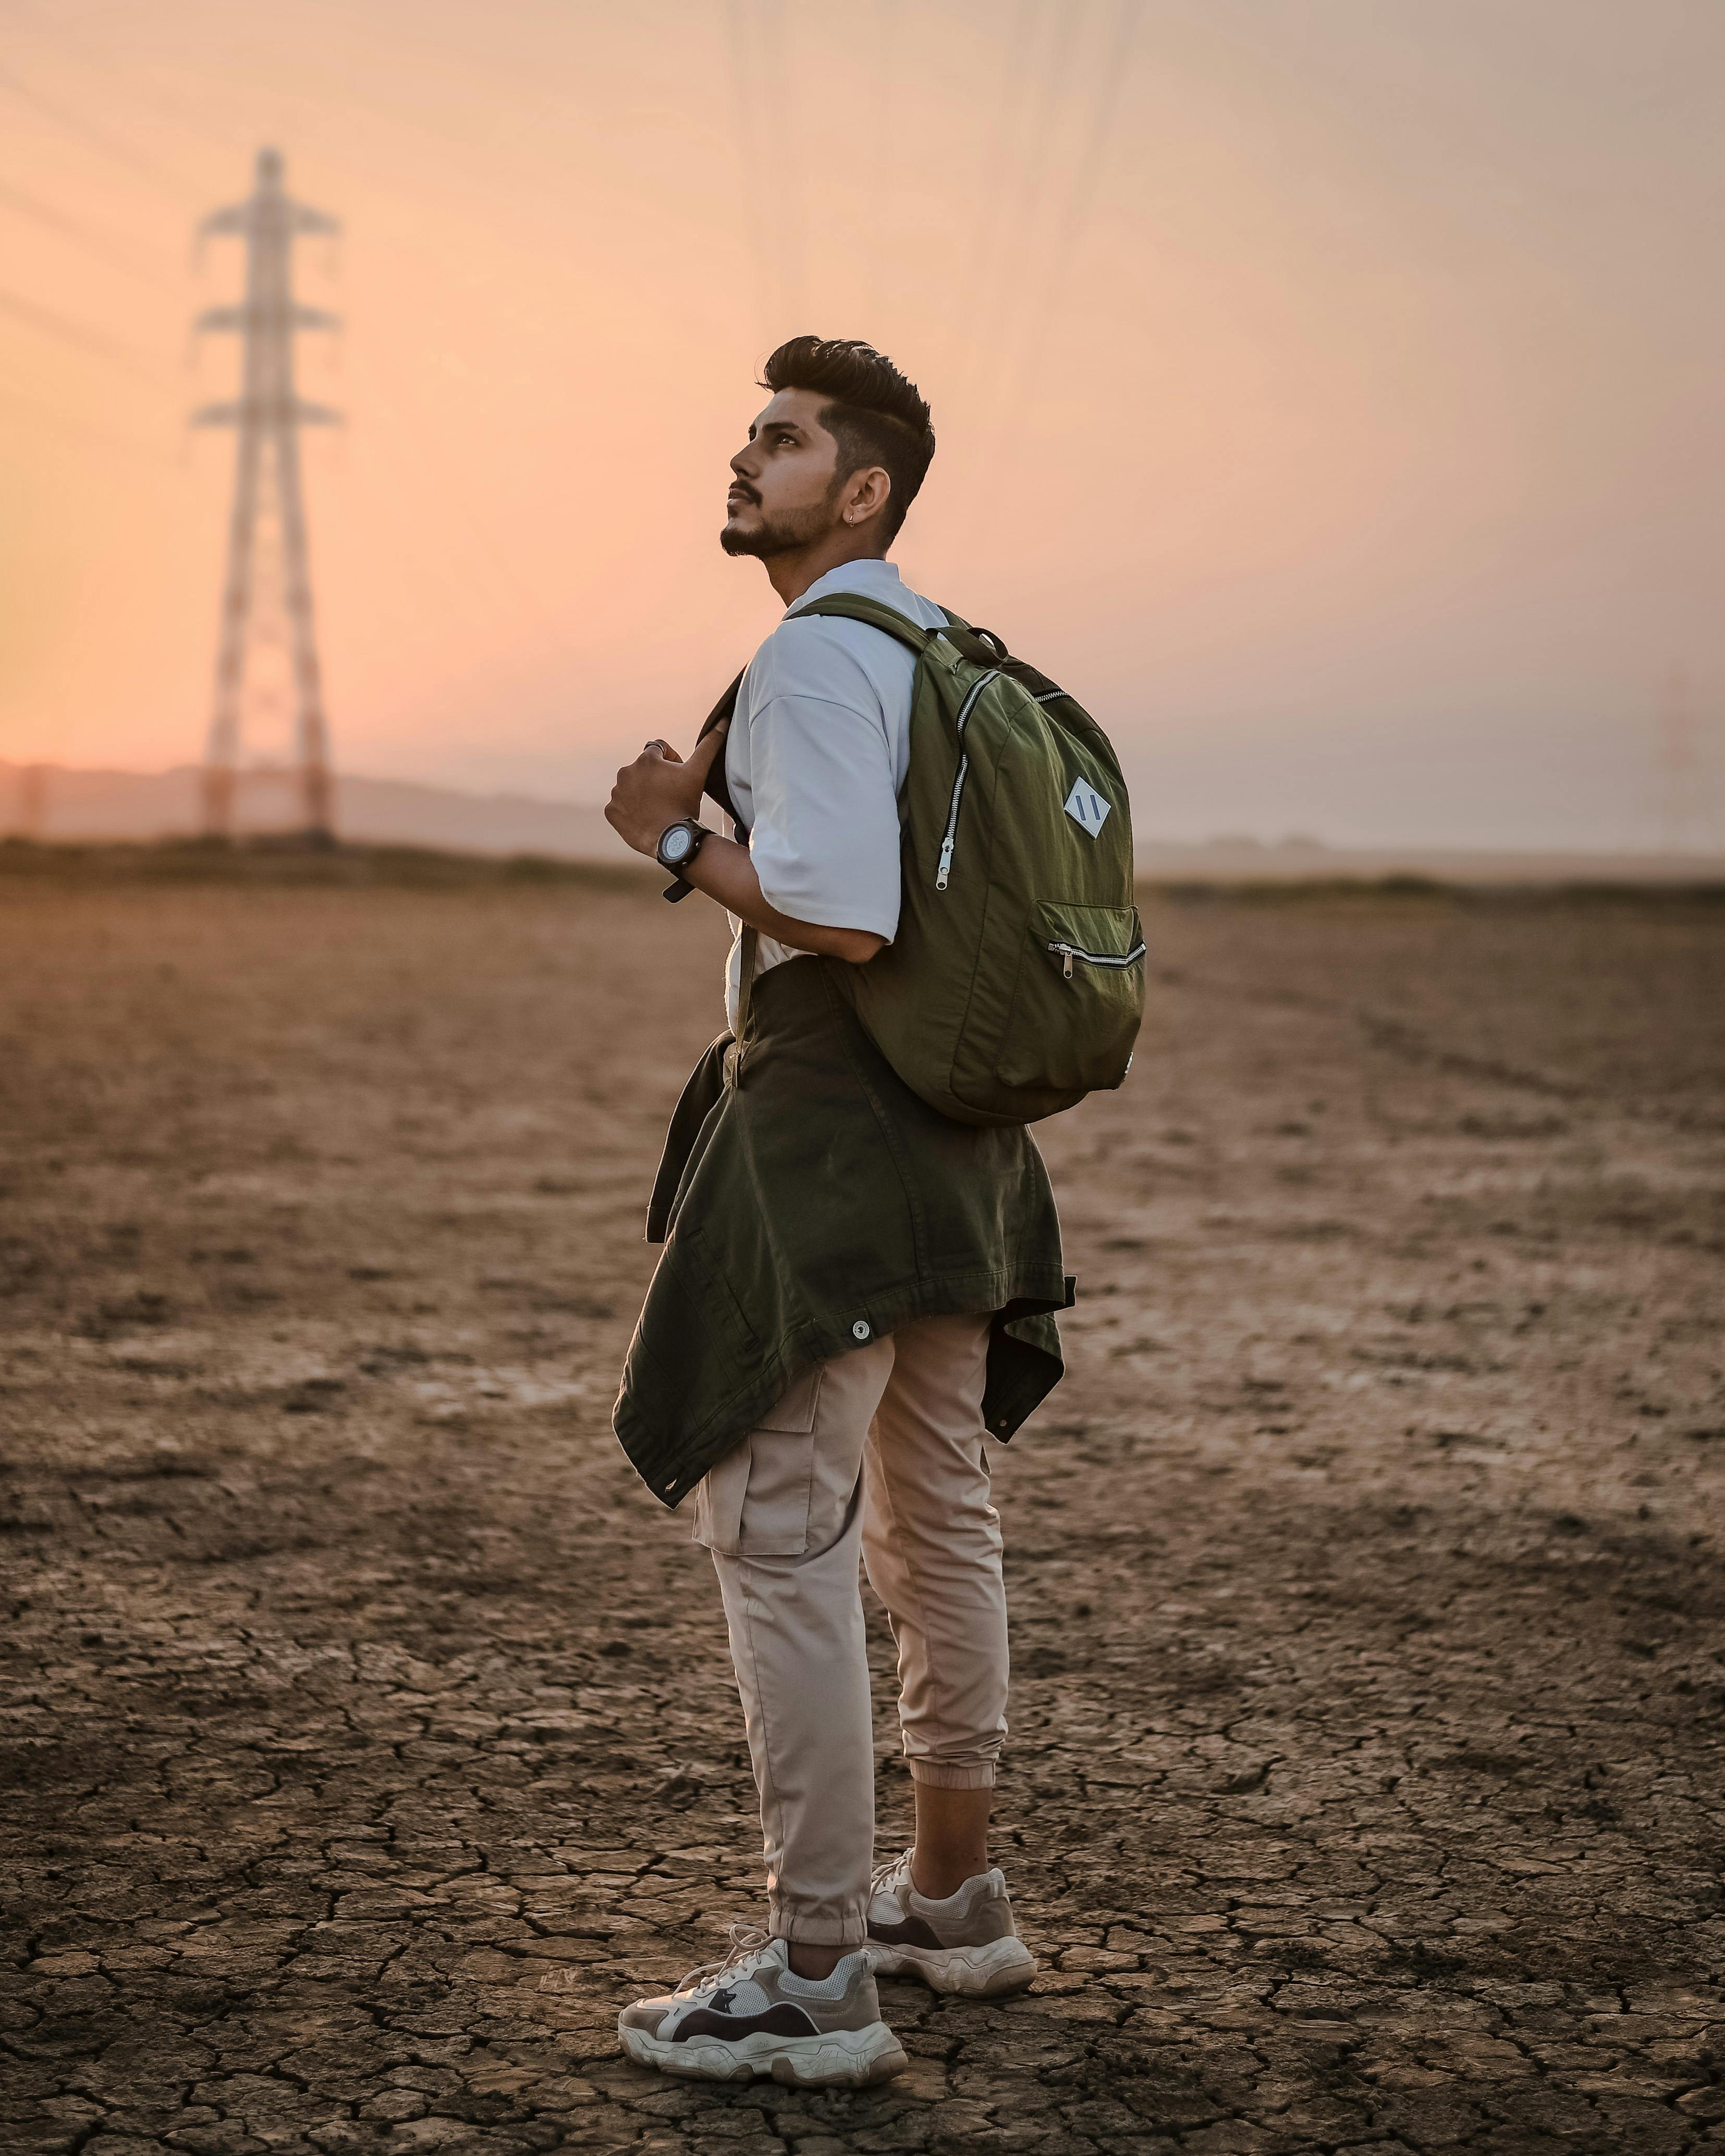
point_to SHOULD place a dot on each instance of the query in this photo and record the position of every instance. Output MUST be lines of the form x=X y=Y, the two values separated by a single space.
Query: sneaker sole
x=988 y=1972
x=848 y=2058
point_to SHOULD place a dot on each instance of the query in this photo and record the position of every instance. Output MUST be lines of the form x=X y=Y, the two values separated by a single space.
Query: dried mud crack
x=368 y=1735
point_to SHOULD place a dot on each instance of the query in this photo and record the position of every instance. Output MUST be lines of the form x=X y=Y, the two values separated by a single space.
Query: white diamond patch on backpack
x=1087 y=807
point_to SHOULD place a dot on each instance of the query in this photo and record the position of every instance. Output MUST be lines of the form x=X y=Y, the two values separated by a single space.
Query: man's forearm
x=724 y=872
x=657 y=789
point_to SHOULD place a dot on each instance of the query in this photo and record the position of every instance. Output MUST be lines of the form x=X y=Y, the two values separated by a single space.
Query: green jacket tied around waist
x=809 y=1202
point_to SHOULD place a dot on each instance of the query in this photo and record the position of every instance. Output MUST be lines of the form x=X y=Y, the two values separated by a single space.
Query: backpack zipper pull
x=945 y=868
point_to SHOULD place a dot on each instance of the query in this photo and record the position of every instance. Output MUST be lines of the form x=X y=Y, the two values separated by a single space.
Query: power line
x=80 y=429
x=108 y=248
x=975 y=265
x=761 y=75
x=1024 y=210
x=1087 y=172
x=1042 y=286
x=400 y=426
x=481 y=549
x=875 y=234
x=142 y=96
x=111 y=145
x=776 y=33
x=742 y=23
x=747 y=149
x=130 y=357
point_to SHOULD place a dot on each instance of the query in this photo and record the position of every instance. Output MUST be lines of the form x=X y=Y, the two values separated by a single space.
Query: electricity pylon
x=268 y=499
x=1678 y=753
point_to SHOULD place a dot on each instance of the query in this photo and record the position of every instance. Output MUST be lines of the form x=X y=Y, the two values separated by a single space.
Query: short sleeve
x=825 y=836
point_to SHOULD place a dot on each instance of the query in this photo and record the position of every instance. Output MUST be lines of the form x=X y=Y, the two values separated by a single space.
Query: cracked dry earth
x=368 y=1735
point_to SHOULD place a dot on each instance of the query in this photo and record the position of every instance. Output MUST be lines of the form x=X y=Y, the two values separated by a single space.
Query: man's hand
x=659 y=788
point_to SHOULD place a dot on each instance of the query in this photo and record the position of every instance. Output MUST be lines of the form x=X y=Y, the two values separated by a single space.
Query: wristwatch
x=679 y=844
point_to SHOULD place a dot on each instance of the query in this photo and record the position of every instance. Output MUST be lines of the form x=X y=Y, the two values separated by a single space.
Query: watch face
x=676 y=844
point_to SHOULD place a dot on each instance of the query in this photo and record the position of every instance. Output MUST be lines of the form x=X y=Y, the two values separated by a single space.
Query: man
x=847 y=1275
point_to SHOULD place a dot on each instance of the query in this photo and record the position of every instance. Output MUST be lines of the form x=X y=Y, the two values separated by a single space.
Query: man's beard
x=778 y=535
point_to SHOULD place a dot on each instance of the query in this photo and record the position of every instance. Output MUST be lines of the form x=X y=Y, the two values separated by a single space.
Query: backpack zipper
x=1068 y=952
x=947 y=837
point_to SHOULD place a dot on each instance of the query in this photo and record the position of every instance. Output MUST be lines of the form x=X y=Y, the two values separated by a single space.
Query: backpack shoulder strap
x=716 y=789
x=875 y=615
x=974 y=645
x=977 y=645
x=724 y=709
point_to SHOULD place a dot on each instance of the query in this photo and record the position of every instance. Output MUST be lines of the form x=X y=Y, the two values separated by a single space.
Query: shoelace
x=884 y=1876
x=746 y=1941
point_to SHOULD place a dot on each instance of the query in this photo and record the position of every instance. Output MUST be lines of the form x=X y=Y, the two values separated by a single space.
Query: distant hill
x=1308 y=860
x=133 y=804
x=52 y=800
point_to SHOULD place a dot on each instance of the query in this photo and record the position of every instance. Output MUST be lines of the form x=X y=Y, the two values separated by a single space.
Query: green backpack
x=1015 y=984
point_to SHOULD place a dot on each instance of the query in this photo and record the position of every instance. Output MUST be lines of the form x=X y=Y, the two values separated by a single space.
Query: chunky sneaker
x=966 y=1943
x=751 y=2014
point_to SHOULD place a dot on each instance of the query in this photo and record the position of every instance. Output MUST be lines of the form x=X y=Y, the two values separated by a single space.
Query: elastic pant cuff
x=938 y=1775
x=801 y=1930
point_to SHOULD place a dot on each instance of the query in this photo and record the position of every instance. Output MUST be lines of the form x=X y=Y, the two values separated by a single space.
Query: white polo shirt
x=817 y=753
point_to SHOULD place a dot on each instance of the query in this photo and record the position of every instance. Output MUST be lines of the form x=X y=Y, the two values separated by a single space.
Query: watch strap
x=680 y=888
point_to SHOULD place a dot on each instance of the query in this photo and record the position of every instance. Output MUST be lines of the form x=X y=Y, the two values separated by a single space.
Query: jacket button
x=859 y=1330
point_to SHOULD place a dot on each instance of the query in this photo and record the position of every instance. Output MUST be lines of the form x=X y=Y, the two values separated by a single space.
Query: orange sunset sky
x=1329 y=391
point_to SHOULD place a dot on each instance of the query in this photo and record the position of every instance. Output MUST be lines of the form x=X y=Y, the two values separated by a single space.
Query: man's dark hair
x=877 y=416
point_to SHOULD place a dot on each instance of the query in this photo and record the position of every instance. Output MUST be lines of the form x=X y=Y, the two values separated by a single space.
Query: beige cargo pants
x=878 y=1453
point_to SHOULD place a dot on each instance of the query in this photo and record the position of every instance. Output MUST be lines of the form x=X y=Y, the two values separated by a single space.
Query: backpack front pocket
x=1078 y=999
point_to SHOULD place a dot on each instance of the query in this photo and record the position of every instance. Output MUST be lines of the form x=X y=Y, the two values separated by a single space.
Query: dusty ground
x=368 y=1736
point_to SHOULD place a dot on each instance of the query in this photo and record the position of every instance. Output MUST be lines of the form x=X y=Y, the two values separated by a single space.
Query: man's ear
x=867 y=496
